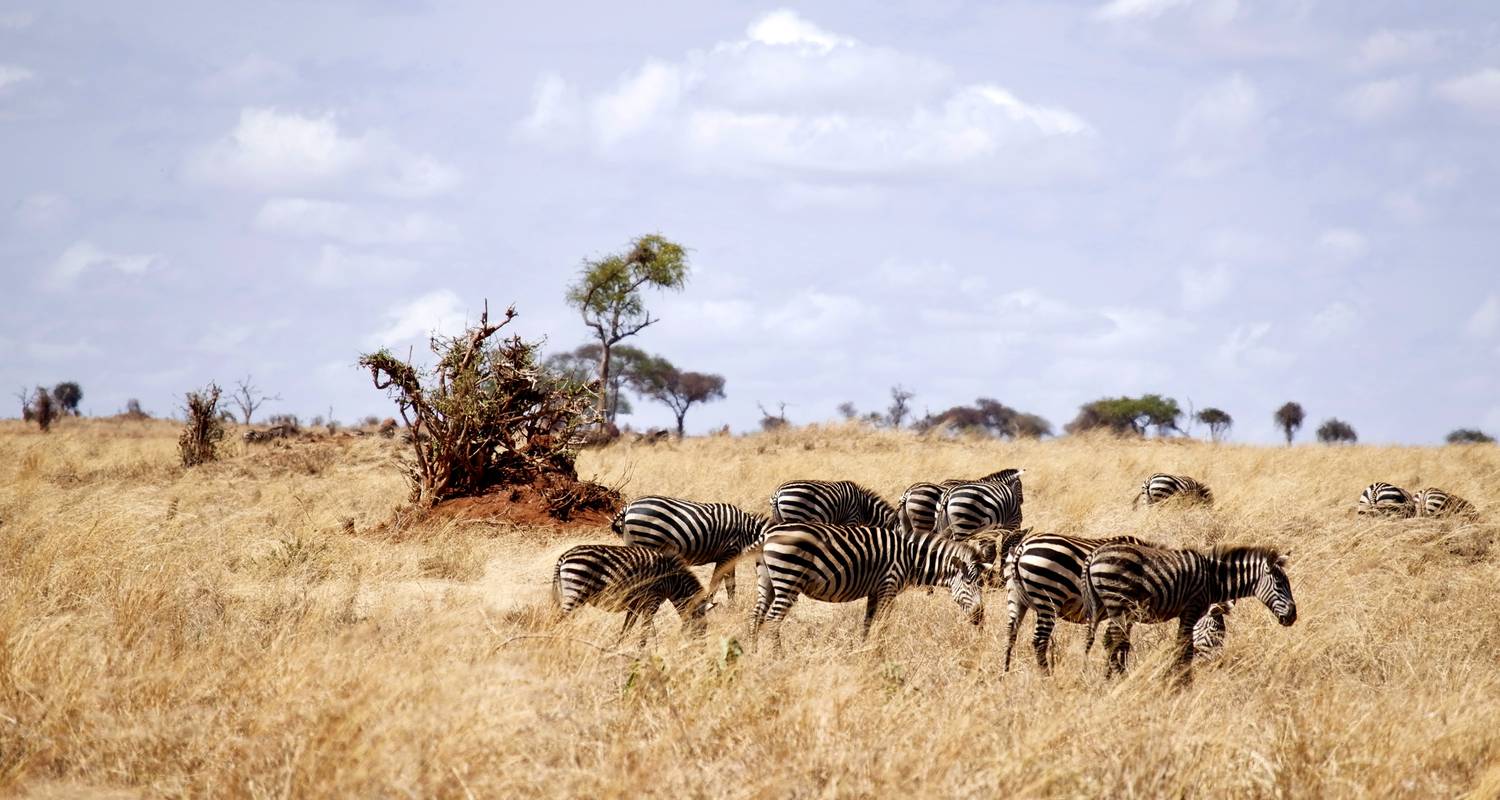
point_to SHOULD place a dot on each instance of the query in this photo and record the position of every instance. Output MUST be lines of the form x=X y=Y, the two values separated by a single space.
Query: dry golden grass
x=220 y=632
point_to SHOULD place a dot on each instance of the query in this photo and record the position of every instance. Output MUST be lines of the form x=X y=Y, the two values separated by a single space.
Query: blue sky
x=1232 y=203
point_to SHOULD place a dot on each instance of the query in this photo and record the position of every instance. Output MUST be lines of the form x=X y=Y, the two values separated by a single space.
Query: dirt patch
x=556 y=507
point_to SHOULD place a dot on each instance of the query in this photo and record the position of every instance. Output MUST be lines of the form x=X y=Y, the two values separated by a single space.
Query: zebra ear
x=1283 y=559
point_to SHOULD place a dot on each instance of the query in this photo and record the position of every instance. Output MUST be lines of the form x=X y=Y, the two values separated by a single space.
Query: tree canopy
x=1128 y=415
x=581 y=364
x=1336 y=431
x=992 y=417
x=1289 y=418
x=68 y=395
x=1470 y=436
x=1217 y=420
x=657 y=379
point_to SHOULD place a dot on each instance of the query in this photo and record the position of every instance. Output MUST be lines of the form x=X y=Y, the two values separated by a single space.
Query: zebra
x=833 y=502
x=632 y=579
x=1129 y=582
x=918 y=508
x=699 y=533
x=1044 y=573
x=968 y=507
x=843 y=563
x=1161 y=486
x=1383 y=498
x=1434 y=502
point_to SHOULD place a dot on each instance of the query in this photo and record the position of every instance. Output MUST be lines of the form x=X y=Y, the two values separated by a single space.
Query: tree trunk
x=680 y=416
x=603 y=382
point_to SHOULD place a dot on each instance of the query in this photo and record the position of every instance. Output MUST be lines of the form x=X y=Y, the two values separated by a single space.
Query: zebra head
x=695 y=621
x=1275 y=589
x=967 y=584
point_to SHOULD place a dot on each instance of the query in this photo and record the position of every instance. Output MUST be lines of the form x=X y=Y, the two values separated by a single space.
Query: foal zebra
x=1383 y=498
x=1434 y=502
x=833 y=502
x=700 y=533
x=918 y=508
x=840 y=564
x=968 y=507
x=1129 y=582
x=632 y=579
x=1162 y=486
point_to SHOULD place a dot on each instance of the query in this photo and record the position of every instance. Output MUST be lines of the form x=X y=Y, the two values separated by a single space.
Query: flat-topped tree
x=658 y=380
x=1289 y=418
x=608 y=295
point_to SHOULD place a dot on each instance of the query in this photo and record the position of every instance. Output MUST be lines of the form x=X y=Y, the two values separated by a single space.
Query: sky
x=1235 y=204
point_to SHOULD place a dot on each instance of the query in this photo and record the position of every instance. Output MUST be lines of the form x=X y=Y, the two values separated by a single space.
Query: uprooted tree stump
x=487 y=417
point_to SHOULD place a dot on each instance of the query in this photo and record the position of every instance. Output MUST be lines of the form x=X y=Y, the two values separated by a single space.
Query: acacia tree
x=1218 y=422
x=42 y=409
x=1123 y=415
x=1336 y=431
x=247 y=397
x=580 y=364
x=1470 y=436
x=658 y=380
x=608 y=296
x=68 y=395
x=900 y=406
x=1289 y=418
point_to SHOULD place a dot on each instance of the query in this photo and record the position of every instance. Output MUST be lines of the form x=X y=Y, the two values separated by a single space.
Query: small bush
x=199 y=441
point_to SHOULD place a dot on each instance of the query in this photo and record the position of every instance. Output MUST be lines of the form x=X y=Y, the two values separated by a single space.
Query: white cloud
x=438 y=311
x=324 y=219
x=1202 y=288
x=792 y=97
x=1485 y=321
x=1246 y=348
x=817 y=316
x=1221 y=127
x=1117 y=10
x=1390 y=48
x=1377 y=100
x=337 y=266
x=1344 y=244
x=42 y=210
x=1337 y=320
x=84 y=256
x=11 y=75
x=273 y=150
x=1477 y=92
x=253 y=74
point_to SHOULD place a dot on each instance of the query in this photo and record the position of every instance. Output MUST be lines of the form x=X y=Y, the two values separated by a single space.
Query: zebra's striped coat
x=1128 y=583
x=632 y=579
x=1387 y=500
x=1434 y=502
x=841 y=564
x=1162 y=486
x=833 y=502
x=969 y=507
x=700 y=533
x=918 y=509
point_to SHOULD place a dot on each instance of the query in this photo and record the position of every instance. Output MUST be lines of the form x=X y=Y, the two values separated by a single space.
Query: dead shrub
x=198 y=443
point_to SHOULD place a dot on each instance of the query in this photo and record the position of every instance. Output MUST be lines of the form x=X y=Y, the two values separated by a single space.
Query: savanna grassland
x=264 y=626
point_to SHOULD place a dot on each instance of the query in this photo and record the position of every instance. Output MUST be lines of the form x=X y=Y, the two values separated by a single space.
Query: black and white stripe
x=969 y=507
x=632 y=579
x=1386 y=499
x=843 y=563
x=699 y=533
x=1434 y=502
x=918 y=509
x=833 y=502
x=1161 y=486
x=1126 y=583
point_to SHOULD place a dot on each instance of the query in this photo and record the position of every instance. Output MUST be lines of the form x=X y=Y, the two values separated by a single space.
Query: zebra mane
x=1247 y=552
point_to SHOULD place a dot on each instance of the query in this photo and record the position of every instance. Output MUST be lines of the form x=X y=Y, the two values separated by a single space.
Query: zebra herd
x=837 y=541
x=1389 y=500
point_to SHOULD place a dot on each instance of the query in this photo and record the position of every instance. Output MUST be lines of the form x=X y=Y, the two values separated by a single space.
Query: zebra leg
x=630 y=620
x=723 y=573
x=1041 y=638
x=1184 y=666
x=780 y=605
x=1116 y=646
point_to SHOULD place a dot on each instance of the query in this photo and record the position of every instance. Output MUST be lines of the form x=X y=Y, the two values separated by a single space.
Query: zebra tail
x=776 y=511
x=557 y=584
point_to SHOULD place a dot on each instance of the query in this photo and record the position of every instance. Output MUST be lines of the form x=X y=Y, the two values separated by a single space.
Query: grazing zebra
x=1383 y=498
x=968 y=507
x=700 y=533
x=842 y=563
x=1434 y=502
x=833 y=502
x=631 y=579
x=1044 y=573
x=1161 y=486
x=918 y=508
x=1127 y=583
